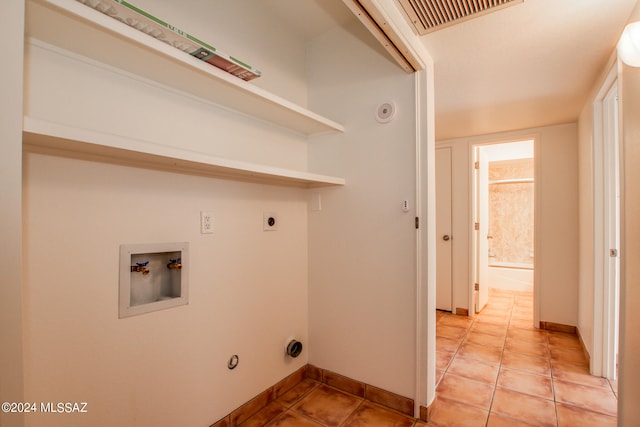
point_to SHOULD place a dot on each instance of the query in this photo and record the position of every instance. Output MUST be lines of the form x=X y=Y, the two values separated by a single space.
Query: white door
x=444 y=288
x=481 y=228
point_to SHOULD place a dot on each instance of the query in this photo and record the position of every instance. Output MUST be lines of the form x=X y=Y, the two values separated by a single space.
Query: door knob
x=446 y=237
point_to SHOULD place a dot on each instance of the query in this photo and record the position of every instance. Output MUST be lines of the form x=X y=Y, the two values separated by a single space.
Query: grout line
x=504 y=344
x=352 y=413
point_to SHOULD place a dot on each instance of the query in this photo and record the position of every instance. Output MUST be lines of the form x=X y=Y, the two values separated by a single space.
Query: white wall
x=361 y=245
x=557 y=236
x=11 y=366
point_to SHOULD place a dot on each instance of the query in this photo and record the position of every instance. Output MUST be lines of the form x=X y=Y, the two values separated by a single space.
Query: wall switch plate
x=269 y=221
x=316 y=202
x=206 y=222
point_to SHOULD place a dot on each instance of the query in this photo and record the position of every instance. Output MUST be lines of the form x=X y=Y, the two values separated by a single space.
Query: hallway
x=497 y=370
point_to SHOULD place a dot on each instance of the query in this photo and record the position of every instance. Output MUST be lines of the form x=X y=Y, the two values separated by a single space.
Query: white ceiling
x=529 y=65
x=524 y=66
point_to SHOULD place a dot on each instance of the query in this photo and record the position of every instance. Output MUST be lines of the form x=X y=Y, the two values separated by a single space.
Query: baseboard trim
x=557 y=327
x=584 y=348
x=426 y=411
x=254 y=405
x=462 y=311
x=374 y=394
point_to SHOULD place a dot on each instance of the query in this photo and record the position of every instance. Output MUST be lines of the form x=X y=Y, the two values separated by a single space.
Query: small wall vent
x=430 y=15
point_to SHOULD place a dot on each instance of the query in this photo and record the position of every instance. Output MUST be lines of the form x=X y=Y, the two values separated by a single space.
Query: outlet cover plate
x=269 y=221
x=206 y=222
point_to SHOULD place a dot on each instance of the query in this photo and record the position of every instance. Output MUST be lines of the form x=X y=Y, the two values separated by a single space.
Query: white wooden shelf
x=56 y=139
x=80 y=29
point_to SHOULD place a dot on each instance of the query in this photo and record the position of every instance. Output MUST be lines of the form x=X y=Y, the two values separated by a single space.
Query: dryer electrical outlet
x=269 y=221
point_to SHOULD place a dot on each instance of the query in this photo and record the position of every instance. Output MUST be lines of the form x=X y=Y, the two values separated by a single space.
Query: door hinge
x=476 y=226
x=613 y=253
x=476 y=165
x=417 y=222
x=477 y=286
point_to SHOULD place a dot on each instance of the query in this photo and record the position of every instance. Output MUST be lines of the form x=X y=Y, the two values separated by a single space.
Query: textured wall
x=511 y=213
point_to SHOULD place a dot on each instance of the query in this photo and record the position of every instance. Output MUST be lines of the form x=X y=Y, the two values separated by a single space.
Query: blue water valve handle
x=140 y=267
x=175 y=264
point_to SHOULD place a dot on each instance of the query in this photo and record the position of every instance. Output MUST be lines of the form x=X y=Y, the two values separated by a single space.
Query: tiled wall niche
x=153 y=277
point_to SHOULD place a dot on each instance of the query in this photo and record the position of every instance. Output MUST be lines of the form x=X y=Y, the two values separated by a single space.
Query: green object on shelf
x=149 y=24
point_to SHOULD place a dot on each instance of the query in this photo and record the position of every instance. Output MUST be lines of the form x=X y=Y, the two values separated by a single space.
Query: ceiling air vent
x=431 y=15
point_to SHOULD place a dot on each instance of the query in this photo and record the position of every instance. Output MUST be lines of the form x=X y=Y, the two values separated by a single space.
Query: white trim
x=420 y=322
x=599 y=244
x=537 y=235
x=425 y=257
x=602 y=324
x=58 y=139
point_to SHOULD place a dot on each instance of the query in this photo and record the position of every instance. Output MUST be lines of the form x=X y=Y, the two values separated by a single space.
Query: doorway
x=503 y=219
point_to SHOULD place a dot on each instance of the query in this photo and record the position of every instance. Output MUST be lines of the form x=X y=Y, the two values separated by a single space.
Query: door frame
x=605 y=331
x=494 y=140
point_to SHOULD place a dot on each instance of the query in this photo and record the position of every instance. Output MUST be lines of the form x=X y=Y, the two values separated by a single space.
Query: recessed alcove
x=153 y=277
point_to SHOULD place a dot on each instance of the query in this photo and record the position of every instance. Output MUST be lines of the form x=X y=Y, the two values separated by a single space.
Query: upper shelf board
x=78 y=28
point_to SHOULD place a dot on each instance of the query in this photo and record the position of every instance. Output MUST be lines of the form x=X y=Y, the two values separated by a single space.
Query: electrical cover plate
x=269 y=221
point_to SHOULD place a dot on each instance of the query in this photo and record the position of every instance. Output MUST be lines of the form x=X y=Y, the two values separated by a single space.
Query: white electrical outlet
x=269 y=221
x=206 y=222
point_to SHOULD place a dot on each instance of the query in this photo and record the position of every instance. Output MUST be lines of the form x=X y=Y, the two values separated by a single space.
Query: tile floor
x=497 y=370
x=493 y=370
x=313 y=404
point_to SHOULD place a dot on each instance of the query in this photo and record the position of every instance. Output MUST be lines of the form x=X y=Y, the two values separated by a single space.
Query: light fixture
x=629 y=45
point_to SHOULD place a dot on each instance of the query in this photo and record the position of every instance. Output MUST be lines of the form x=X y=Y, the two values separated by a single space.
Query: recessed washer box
x=153 y=276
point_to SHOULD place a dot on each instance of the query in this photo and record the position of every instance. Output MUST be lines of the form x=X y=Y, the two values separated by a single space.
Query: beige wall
x=590 y=158
x=151 y=112
x=586 y=225
x=247 y=30
x=629 y=89
x=629 y=385
x=362 y=271
x=557 y=232
x=248 y=293
x=11 y=365
x=342 y=280
x=248 y=288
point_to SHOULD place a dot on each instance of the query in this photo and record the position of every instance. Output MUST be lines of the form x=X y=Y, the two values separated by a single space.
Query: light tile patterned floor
x=492 y=370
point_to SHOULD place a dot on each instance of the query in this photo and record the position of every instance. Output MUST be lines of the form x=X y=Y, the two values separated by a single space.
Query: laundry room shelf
x=61 y=140
x=85 y=31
